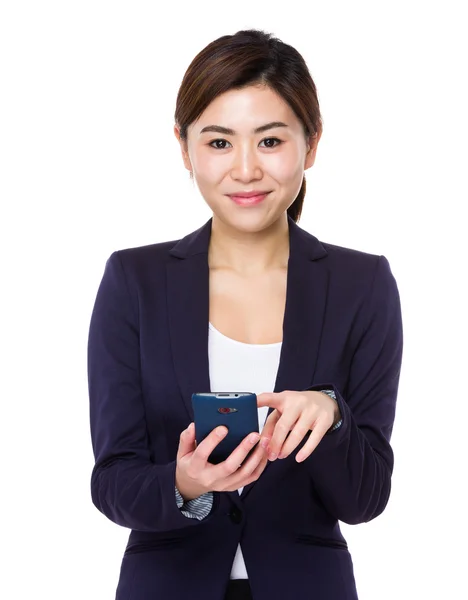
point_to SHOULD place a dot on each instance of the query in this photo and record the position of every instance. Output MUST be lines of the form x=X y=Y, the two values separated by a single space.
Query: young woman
x=248 y=302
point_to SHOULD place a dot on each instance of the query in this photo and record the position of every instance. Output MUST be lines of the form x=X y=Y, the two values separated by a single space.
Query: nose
x=246 y=164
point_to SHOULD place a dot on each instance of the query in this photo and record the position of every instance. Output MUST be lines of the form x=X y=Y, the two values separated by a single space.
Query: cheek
x=209 y=168
x=285 y=168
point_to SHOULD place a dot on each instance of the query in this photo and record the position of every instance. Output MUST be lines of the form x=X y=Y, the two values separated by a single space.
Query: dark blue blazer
x=147 y=354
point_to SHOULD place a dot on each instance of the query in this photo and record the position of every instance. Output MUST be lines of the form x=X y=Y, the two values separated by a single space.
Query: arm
x=332 y=394
x=200 y=507
x=351 y=468
x=126 y=485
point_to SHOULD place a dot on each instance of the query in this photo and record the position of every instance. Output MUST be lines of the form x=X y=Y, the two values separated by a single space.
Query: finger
x=270 y=425
x=186 y=441
x=261 y=466
x=206 y=447
x=296 y=435
x=320 y=429
x=253 y=466
x=284 y=425
x=232 y=462
x=250 y=463
x=274 y=399
x=249 y=471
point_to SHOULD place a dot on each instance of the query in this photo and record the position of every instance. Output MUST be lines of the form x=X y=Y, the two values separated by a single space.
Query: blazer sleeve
x=351 y=467
x=198 y=508
x=126 y=485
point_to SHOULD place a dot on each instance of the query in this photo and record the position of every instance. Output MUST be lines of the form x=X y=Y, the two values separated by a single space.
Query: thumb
x=187 y=441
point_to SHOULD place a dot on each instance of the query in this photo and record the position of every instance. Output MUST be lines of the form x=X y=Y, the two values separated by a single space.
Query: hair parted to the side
x=250 y=57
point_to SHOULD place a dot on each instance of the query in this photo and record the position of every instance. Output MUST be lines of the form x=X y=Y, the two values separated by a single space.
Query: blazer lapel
x=188 y=310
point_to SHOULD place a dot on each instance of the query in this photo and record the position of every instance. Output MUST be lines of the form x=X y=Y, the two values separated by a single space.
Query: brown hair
x=250 y=57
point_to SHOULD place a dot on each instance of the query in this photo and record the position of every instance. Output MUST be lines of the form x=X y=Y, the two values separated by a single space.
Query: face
x=272 y=160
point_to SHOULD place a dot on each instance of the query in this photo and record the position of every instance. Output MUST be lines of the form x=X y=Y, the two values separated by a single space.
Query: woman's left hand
x=297 y=413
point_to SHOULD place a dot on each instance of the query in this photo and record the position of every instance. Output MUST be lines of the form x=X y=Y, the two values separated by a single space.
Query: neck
x=249 y=252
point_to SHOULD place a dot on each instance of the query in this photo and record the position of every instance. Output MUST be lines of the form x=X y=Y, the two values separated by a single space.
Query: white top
x=238 y=367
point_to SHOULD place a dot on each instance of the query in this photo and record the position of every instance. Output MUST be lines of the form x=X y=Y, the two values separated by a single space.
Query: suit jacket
x=147 y=354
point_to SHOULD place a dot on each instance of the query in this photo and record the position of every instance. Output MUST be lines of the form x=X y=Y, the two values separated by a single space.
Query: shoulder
x=345 y=255
x=354 y=271
x=143 y=260
x=350 y=264
x=338 y=260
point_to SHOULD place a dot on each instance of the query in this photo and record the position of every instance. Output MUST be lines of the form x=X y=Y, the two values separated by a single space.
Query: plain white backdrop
x=89 y=164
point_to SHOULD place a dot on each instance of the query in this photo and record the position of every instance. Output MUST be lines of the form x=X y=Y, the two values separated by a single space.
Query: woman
x=248 y=302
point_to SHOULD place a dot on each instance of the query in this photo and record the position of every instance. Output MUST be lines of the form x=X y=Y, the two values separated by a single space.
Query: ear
x=183 y=148
x=312 y=143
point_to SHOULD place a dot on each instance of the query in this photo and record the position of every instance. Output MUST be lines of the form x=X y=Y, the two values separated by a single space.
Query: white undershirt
x=238 y=367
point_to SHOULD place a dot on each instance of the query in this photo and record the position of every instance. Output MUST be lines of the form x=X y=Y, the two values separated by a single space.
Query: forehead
x=246 y=108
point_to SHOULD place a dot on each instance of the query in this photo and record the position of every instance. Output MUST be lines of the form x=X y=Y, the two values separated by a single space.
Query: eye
x=215 y=142
x=274 y=140
x=264 y=140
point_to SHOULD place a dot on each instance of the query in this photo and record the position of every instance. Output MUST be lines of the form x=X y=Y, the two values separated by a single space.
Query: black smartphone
x=236 y=410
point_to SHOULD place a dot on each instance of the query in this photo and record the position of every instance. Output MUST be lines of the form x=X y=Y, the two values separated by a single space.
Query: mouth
x=248 y=199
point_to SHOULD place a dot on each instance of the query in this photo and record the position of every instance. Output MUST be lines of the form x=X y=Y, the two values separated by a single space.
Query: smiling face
x=227 y=155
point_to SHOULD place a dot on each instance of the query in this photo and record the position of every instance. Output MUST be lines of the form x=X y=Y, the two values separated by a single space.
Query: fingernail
x=254 y=437
x=264 y=443
x=272 y=456
x=221 y=431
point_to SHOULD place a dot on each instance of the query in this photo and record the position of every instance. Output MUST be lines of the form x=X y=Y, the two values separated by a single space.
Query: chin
x=250 y=219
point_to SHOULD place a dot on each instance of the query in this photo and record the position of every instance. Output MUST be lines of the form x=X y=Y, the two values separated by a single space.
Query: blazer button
x=236 y=515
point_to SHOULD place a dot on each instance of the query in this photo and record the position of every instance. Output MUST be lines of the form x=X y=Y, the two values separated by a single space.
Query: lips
x=248 y=194
x=249 y=200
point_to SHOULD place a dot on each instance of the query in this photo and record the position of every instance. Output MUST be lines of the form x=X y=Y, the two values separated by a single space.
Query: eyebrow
x=227 y=131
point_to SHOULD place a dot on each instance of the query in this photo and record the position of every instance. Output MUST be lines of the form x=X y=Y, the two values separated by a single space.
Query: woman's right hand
x=196 y=476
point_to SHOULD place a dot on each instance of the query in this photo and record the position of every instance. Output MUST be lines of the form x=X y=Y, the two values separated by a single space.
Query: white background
x=89 y=164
